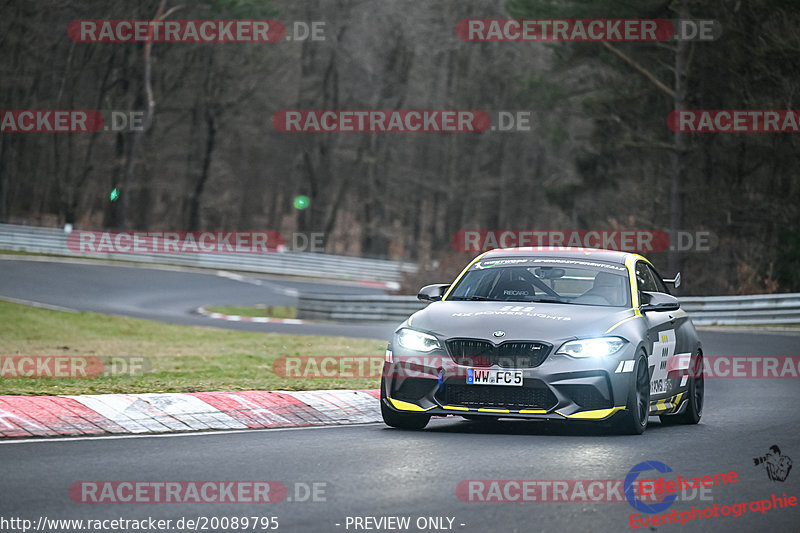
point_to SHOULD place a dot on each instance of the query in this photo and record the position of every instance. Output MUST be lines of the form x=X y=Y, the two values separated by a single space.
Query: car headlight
x=599 y=347
x=417 y=341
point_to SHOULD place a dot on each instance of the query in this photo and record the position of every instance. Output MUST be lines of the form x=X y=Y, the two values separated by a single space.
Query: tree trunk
x=194 y=212
x=679 y=153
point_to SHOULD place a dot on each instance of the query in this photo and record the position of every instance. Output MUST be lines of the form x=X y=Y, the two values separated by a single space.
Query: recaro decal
x=516 y=293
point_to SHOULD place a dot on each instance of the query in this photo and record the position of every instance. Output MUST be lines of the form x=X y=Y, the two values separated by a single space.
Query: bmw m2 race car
x=546 y=333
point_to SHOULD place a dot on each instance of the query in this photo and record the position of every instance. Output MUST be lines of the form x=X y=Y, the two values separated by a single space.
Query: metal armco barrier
x=704 y=310
x=743 y=310
x=709 y=310
x=343 y=307
x=54 y=241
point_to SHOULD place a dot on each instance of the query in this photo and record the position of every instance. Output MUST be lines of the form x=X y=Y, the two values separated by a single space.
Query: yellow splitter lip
x=596 y=414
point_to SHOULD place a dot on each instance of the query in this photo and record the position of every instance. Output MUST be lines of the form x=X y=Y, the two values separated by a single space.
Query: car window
x=661 y=286
x=644 y=278
x=567 y=281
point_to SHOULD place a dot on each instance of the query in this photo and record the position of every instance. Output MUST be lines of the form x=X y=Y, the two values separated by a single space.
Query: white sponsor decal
x=513 y=313
x=624 y=367
x=582 y=263
x=663 y=350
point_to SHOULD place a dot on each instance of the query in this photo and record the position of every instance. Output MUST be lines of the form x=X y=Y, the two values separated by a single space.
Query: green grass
x=271 y=311
x=63 y=256
x=19 y=252
x=181 y=358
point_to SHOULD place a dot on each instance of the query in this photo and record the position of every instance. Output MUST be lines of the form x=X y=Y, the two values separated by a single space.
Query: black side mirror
x=675 y=282
x=658 y=301
x=432 y=293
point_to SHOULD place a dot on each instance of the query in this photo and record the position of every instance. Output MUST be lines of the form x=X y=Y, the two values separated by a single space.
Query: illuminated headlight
x=599 y=347
x=417 y=341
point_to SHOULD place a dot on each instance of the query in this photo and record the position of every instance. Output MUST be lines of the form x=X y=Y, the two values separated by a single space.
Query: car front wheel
x=696 y=392
x=633 y=421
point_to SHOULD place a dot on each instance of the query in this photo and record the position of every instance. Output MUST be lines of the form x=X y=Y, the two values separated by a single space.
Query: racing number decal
x=663 y=350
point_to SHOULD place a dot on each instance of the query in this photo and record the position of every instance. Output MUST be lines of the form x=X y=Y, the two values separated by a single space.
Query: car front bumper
x=560 y=388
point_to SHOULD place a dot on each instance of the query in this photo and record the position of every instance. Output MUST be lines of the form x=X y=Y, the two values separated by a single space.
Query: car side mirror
x=658 y=301
x=675 y=282
x=432 y=293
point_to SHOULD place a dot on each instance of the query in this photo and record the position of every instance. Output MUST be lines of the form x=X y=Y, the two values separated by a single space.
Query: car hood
x=519 y=320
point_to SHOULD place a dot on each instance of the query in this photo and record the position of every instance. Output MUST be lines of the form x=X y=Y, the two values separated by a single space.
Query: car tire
x=633 y=421
x=401 y=420
x=696 y=392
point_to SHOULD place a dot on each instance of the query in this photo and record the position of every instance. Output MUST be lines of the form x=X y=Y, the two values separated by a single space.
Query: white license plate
x=485 y=376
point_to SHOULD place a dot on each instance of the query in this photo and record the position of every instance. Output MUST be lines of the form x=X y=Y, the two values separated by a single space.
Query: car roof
x=598 y=254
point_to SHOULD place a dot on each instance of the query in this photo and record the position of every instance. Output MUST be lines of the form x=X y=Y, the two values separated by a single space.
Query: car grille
x=511 y=354
x=525 y=397
x=586 y=396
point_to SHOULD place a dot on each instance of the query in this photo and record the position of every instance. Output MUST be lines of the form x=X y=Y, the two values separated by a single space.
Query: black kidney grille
x=476 y=352
x=470 y=347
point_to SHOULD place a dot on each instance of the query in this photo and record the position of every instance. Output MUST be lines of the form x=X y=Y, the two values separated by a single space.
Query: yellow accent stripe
x=667 y=404
x=455 y=408
x=405 y=406
x=630 y=262
x=461 y=275
x=487 y=410
x=612 y=328
x=532 y=412
x=643 y=258
x=677 y=402
x=594 y=415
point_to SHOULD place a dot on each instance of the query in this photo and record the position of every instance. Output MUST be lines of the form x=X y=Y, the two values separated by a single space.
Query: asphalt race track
x=375 y=471
x=168 y=295
x=372 y=470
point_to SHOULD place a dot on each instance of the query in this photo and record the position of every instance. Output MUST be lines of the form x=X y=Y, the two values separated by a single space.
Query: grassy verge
x=62 y=256
x=19 y=252
x=181 y=358
x=272 y=311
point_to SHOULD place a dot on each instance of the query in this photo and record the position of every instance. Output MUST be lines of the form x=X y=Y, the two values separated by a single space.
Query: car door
x=685 y=335
x=661 y=334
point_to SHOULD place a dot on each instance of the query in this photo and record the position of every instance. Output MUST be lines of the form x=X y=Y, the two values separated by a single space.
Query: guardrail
x=743 y=310
x=54 y=241
x=706 y=310
x=343 y=307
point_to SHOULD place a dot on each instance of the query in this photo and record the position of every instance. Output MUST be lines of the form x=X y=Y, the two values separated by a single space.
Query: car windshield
x=570 y=281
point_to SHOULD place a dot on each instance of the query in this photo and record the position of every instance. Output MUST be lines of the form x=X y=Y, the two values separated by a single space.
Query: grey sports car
x=546 y=333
